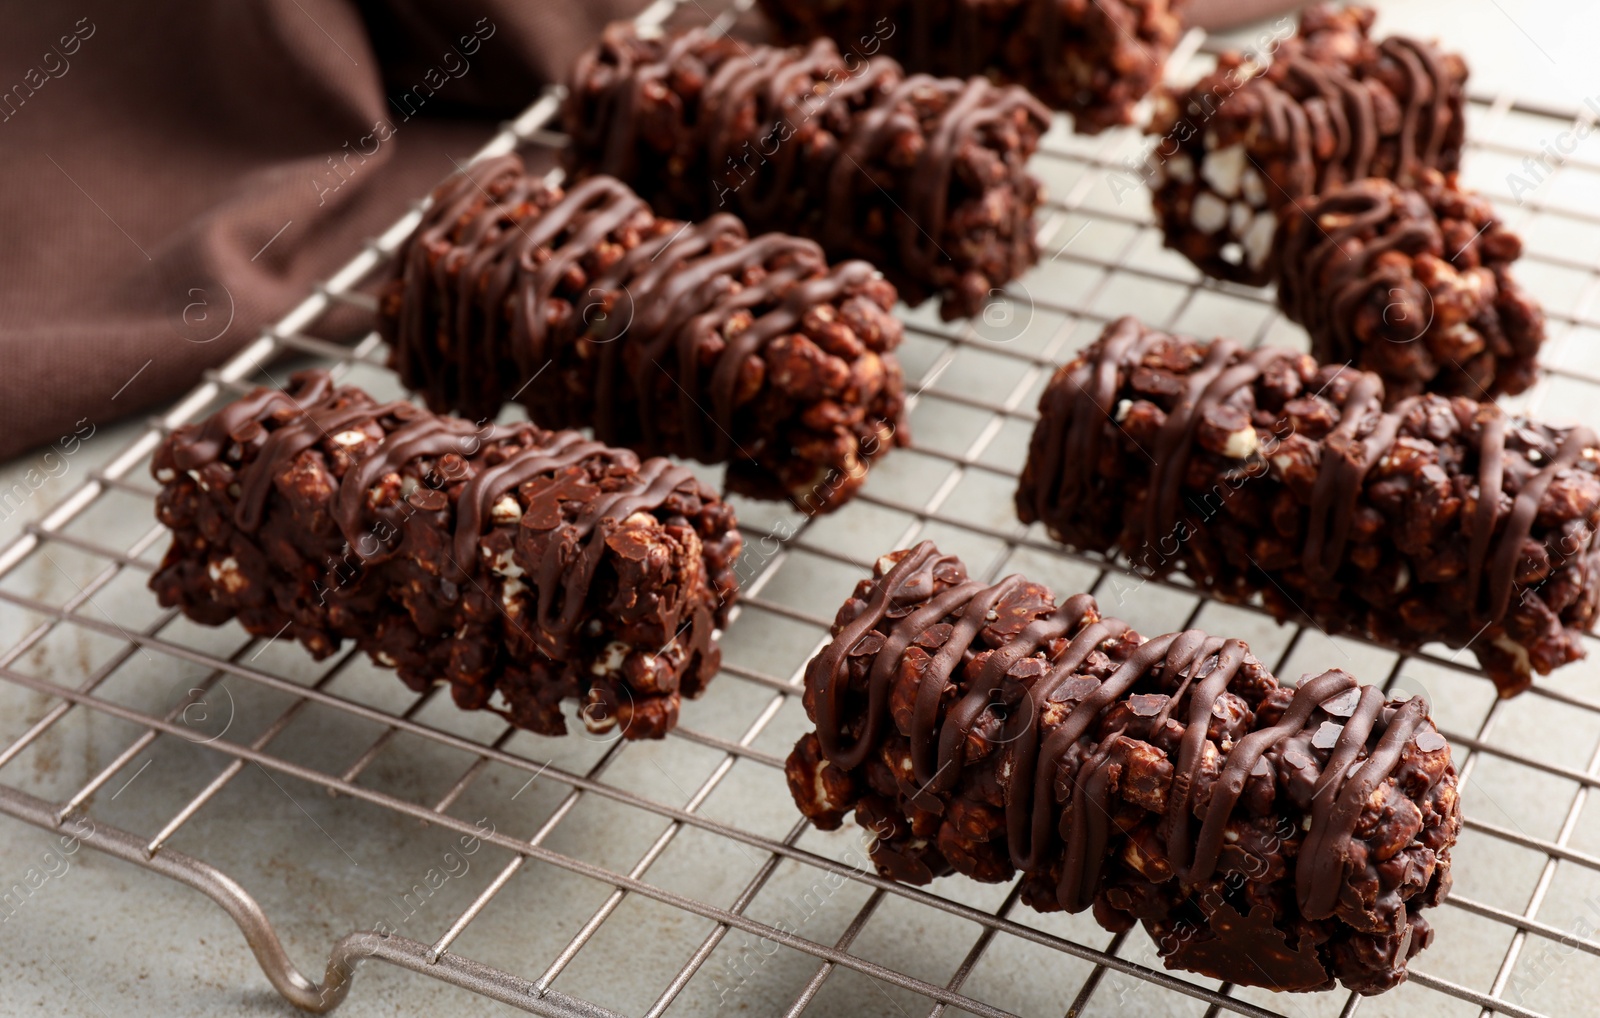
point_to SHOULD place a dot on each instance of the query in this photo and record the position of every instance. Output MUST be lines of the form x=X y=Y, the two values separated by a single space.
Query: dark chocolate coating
x=1265 y=835
x=1331 y=106
x=508 y=560
x=685 y=339
x=924 y=177
x=1413 y=285
x=1094 y=60
x=1259 y=473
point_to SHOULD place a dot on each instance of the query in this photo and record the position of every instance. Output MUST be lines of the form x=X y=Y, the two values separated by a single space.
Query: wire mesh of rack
x=674 y=877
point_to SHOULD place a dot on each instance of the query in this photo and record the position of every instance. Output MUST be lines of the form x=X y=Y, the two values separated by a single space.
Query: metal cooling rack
x=684 y=892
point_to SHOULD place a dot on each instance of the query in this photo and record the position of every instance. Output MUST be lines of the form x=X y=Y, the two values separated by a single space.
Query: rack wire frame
x=1085 y=162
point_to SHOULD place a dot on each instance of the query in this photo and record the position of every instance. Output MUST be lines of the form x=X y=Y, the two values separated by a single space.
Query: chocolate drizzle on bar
x=562 y=580
x=1206 y=664
x=1412 y=283
x=1083 y=408
x=1364 y=435
x=1347 y=111
x=1322 y=301
x=668 y=340
x=418 y=493
x=924 y=177
x=1094 y=60
x=1328 y=106
x=1062 y=761
x=660 y=285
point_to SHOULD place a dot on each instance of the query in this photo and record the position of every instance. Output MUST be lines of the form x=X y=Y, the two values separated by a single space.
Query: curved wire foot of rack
x=346 y=956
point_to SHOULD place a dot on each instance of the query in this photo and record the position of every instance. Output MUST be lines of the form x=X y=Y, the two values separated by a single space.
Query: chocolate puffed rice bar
x=1093 y=60
x=1259 y=473
x=1262 y=834
x=1332 y=105
x=522 y=567
x=1413 y=284
x=684 y=339
x=926 y=178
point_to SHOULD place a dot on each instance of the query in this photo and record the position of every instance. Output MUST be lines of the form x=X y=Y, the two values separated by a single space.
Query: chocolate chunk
x=1298 y=760
x=1266 y=884
x=870 y=644
x=1075 y=688
x=524 y=567
x=429 y=500
x=1147 y=705
x=1342 y=705
x=1373 y=525
x=669 y=338
x=924 y=177
x=1249 y=142
x=1327 y=734
x=1413 y=284
x=1094 y=60
x=1431 y=742
x=1028 y=668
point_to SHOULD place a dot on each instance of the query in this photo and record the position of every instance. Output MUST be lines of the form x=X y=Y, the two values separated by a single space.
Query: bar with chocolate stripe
x=1287 y=837
x=1093 y=60
x=1414 y=284
x=521 y=567
x=1260 y=474
x=924 y=177
x=1239 y=149
x=692 y=340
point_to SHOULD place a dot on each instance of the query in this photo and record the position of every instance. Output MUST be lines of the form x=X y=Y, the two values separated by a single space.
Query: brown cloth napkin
x=178 y=173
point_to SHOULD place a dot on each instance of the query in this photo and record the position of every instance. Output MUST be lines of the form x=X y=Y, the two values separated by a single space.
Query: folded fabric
x=180 y=173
